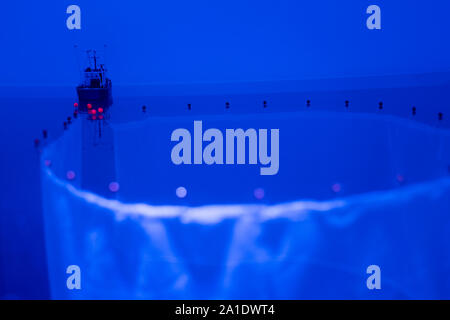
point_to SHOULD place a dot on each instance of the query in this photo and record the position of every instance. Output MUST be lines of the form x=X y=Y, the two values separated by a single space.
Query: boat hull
x=97 y=97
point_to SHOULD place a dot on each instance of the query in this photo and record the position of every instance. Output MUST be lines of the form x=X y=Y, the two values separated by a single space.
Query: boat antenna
x=89 y=58
x=95 y=60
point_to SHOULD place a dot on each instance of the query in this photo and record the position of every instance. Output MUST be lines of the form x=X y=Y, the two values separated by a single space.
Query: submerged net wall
x=219 y=242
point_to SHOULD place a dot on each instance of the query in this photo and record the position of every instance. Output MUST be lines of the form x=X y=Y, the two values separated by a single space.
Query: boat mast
x=95 y=60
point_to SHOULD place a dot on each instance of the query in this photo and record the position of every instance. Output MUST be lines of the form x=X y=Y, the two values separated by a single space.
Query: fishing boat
x=95 y=90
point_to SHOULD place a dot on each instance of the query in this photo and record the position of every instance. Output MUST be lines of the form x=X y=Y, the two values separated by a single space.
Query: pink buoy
x=114 y=186
x=70 y=175
x=181 y=192
x=336 y=187
x=259 y=193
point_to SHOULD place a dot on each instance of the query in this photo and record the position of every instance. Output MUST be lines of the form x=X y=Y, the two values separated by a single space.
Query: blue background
x=195 y=43
x=217 y=41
